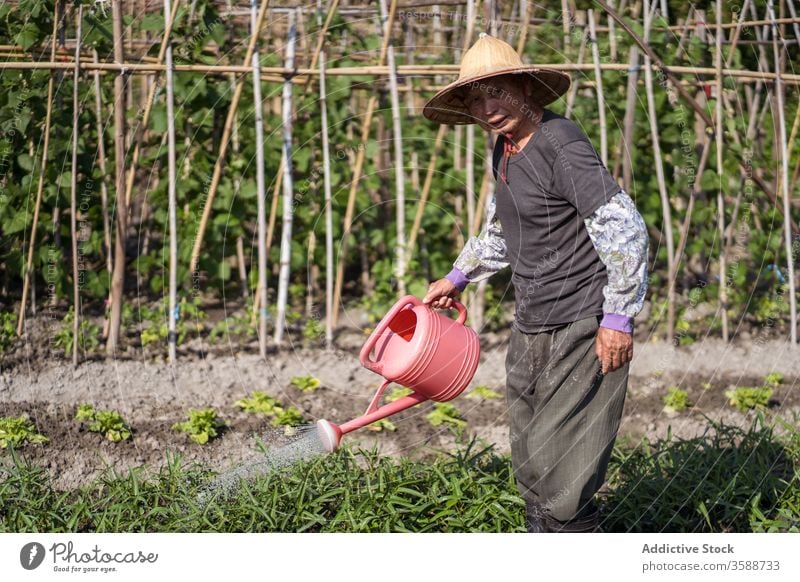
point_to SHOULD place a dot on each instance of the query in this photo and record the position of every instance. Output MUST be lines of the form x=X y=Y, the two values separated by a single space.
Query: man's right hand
x=441 y=294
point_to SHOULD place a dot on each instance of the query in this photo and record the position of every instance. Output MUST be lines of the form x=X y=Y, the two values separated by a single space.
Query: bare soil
x=152 y=396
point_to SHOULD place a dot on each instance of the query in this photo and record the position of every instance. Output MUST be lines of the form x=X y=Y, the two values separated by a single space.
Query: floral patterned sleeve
x=619 y=236
x=483 y=255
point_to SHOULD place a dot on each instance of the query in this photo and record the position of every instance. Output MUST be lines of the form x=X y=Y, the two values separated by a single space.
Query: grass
x=731 y=480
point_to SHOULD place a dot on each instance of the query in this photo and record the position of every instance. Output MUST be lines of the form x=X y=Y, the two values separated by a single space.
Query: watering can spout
x=329 y=434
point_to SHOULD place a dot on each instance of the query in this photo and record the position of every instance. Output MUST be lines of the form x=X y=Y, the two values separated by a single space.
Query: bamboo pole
x=399 y=174
x=118 y=276
x=225 y=139
x=326 y=171
x=169 y=20
x=426 y=188
x=73 y=219
x=723 y=271
x=101 y=158
x=598 y=76
x=171 y=193
x=279 y=74
x=288 y=187
x=573 y=90
x=260 y=183
x=359 y=163
x=787 y=217
x=525 y=13
x=42 y=171
x=273 y=213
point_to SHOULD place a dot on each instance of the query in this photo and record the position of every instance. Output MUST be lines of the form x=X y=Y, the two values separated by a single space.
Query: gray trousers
x=564 y=417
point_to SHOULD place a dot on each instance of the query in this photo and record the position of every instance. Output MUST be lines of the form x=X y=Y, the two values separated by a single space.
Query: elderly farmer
x=577 y=248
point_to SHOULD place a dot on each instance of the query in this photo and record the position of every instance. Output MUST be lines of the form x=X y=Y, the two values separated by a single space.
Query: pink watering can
x=416 y=347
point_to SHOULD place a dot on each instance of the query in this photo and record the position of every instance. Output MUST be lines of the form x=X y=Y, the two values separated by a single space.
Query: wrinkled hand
x=441 y=294
x=613 y=348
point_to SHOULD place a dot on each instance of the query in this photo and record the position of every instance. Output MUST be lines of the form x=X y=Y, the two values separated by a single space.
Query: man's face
x=500 y=104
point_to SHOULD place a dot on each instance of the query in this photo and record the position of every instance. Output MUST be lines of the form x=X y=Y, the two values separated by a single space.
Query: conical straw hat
x=491 y=57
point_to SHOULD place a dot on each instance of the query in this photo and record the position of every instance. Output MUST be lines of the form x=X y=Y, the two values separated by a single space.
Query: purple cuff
x=617 y=322
x=457 y=278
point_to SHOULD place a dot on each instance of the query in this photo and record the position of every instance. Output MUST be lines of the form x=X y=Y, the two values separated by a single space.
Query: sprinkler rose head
x=329 y=434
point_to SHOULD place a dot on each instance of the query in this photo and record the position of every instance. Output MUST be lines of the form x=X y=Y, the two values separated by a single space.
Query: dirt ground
x=152 y=396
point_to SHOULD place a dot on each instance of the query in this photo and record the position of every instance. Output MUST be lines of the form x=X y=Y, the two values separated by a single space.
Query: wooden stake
x=172 y=337
x=359 y=163
x=118 y=277
x=787 y=217
x=326 y=172
x=397 y=142
x=42 y=170
x=288 y=187
x=225 y=139
x=73 y=222
x=260 y=179
x=723 y=271
x=426 y=188
x=598 y=77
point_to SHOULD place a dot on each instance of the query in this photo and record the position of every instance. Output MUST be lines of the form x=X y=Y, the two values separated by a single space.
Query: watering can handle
x=378 y=332
x=384 y=324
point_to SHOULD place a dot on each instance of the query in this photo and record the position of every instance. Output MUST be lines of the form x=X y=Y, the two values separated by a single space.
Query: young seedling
x=259 y=403
x=8 y=330
x=306 y=383
x=482 y=393
x=266 y=405
x=676 y=400
x=107 y=422
x=774 y=379
x=445 y=413
x=397 y=393
x=201 y=426
x=88 y=334
x=381 y=425
x=289 y=417
x=16 y=431
x=744 y=397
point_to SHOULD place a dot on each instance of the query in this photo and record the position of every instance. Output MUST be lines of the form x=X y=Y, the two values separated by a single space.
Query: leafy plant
x=108 y=422
x=676 y=400
x=745 y=398
x=202 y=425
x=445 y=413
x=16 y=431
x=288 y=417
x=381 y=425
x=483 y=393
x=306 y=383
x=88 y=334
x=259 y=403
x=774 y=379
x=264 y=404
x=397 y=393
x=313 y=329
x=8 y=330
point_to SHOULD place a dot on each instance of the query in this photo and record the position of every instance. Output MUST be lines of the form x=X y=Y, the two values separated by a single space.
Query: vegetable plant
x=445 y=413
x=676 y=400
x=16 y=431
x=8 y=332
x=202 y=425
x=483 y=393
x=88 y=334
x=268 y=406
x=306 y=383
x=744 y=397
x=774 y=379
x=107 y=422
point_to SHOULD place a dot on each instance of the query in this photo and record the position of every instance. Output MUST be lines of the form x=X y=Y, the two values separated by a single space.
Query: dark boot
x=587 y=524
x=535 y=518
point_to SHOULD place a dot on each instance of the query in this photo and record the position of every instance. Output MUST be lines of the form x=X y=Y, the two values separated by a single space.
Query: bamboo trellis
x=313 y=75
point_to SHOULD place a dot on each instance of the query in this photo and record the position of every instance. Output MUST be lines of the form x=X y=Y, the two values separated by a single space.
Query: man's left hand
x=613 y=348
